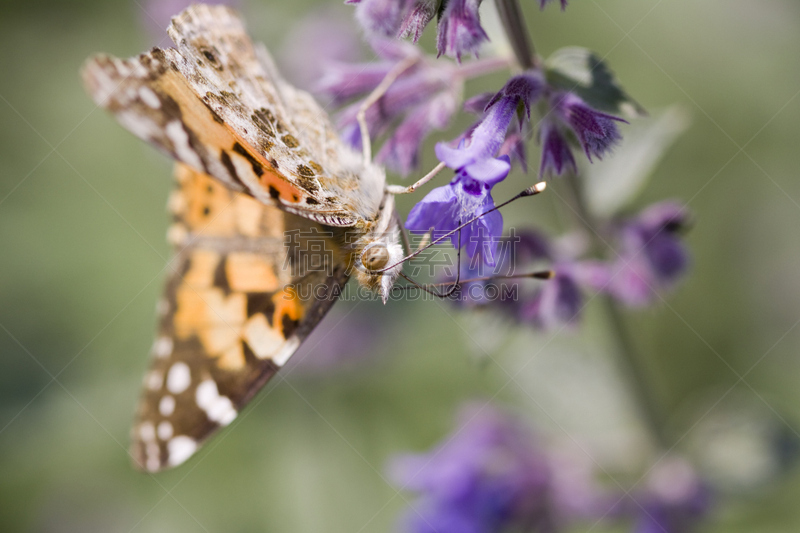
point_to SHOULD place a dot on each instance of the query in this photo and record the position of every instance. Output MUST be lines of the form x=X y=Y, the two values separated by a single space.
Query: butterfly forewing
x=249 y=282
x=217 y=104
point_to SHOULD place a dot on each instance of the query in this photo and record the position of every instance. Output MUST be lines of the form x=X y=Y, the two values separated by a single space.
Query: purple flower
x=466 y=196
x=559 y=301
x=556 y=154
x=543 y=3
x=652 y=257
x=674 y=500
x=380 y=17
x=426 y=87
x=343 y=81
x=460 y=30
x=476 y=156
x=488 y=476
x=401 y=151
x=420 y=14
x=597 y=132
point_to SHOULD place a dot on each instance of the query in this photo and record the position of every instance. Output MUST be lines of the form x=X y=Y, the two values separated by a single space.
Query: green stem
x=517 y=33
x=635 y=370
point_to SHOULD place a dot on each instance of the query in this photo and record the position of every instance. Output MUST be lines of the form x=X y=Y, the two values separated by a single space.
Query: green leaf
x=611 y=184
x=582 y=72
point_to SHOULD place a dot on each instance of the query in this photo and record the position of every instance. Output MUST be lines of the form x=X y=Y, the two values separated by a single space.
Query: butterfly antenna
x=533 y=190
x=453 y=284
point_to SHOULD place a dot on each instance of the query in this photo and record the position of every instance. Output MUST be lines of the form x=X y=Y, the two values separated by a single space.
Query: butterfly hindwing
x=237 y=305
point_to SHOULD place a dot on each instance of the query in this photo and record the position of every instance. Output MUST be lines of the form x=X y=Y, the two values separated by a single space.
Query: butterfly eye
x=375 y=257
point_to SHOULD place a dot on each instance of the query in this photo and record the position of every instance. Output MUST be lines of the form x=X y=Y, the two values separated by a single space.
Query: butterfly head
x=378 y=249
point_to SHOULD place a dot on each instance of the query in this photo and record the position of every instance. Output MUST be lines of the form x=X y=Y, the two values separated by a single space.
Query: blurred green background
x=83 y=257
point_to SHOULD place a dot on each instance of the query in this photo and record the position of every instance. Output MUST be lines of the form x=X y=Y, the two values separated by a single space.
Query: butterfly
x=272 y=214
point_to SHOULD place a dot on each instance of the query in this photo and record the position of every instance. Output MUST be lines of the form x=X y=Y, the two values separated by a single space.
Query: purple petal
x=436 y=210
x=417 y=18
x=596 y=131
x=381 y=17
x=460 y=30
x=489 y=171
x=556 y=154
x=401 y=150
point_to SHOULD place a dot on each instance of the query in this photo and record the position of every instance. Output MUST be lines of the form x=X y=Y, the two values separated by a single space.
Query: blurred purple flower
x=543 y=3
x=674 y=501
x=380 y=17
x=465 y=197
x=157 y=14
x=316 y=46
x=401 y=151
x=422 y=99
x=545 y=303
x=597 y=132
x=488 y=476
x=558 y=301
x=420 y=14
x=460 y=30
x=652 y=256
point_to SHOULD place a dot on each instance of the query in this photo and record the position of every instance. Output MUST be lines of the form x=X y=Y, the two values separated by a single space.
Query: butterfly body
x=272 y=214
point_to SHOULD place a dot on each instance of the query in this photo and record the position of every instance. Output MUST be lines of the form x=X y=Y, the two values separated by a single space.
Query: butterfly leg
x=373 y=97
x=398 y=189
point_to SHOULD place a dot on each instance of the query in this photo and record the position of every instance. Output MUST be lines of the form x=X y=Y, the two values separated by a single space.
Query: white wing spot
x=149 y=97
x=165 y=431
x=154 y=380
x=153 y=453
x=218 y=408
x=180 y=448
x=163 y=347
x=286 y=351
x=179 y=378
x=167 y=405
x=147 y=432
x=180 y=141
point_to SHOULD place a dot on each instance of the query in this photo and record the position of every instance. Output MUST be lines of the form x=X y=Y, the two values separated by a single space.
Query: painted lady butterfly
x=257 y=160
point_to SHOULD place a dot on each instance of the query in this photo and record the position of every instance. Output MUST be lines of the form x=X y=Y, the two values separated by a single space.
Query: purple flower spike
x=556 y=154
x=467 y=196
x=652 y=257
x=420 y=14
x=380 y=17
x=460 y=30
x=477 y=171
x=596 y=131
x=543 y=3
x=489 y=476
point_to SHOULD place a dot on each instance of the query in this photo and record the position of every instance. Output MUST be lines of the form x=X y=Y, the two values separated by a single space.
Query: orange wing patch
x=231 y=317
